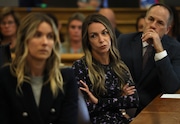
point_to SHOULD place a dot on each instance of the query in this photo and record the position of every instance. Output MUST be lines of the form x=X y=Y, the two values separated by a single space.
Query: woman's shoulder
x=68 y=77
x=66 y=70
x=80 y=62
x=5 y=73
x=67 y=74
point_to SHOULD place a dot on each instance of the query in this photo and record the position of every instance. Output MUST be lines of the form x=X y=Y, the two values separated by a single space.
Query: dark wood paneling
x=125 y=17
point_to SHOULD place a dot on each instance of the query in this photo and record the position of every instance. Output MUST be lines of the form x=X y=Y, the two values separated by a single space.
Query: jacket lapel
x=29 y=104
x=136 y=47
x=46 y=101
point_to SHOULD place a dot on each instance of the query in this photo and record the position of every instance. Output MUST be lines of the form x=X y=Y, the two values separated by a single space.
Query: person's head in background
x=110 y=15
x=74 y=29
x=140 y=22
x=37 y=42
x=58 y=24
x=93 y=4
x=174 y=31
x=9 y=23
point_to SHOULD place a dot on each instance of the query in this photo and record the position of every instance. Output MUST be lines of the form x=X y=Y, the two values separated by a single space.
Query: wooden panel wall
x=125 y=17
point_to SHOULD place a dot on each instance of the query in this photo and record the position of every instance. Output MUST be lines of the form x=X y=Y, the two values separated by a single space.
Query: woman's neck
x=75 y=45
x=103 y=59
x=36 y=67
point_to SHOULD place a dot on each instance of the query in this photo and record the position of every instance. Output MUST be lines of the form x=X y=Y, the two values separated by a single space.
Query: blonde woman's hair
x=19 y=67
x=96 y=73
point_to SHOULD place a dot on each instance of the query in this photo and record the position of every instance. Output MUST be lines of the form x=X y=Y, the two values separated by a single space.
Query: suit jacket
x=162 y=76
x=22 y=109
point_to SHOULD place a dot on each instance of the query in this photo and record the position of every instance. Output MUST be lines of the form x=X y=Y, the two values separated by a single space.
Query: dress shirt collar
x=144 y=44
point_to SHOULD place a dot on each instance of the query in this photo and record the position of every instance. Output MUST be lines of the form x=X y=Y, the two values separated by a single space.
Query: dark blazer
x=162 y=76
x=22 y=109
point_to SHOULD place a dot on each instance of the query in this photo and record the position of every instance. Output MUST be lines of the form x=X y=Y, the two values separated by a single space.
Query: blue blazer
x=162 y=76
x=22 y=109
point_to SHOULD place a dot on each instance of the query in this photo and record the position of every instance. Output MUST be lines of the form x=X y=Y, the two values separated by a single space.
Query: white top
x=36 y=84
x=158 y=56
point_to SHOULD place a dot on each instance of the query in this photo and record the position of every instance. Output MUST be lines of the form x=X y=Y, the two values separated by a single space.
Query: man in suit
x=161 y=73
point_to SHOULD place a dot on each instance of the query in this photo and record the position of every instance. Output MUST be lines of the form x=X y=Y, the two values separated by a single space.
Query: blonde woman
x=33 y=89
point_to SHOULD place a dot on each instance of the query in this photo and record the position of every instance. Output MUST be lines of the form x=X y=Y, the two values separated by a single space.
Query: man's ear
x=168 y=29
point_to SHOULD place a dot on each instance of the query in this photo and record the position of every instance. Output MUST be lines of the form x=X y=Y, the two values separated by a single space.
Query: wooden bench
x=66 y=59
x=69 y=58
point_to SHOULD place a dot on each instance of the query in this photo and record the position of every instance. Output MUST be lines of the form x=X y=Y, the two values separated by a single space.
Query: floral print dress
x=107 y=111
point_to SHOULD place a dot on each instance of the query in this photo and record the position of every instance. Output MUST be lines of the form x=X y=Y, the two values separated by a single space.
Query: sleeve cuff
x=161 y=55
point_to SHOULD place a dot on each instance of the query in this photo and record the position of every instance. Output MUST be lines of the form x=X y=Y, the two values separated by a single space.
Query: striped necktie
x=147 y=54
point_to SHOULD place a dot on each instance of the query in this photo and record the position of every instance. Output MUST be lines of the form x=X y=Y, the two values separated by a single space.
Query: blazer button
x=24 y=114
x=53 y=110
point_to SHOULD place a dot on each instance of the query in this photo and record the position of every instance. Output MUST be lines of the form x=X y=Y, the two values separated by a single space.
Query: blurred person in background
x=110 y=15
x=9 y=23
x=175 y=27
x=73 y=38
x=94 y=4
x=140 y=22
x=58 y=24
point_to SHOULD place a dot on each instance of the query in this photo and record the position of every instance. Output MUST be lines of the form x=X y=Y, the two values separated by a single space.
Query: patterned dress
x=107 y=111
